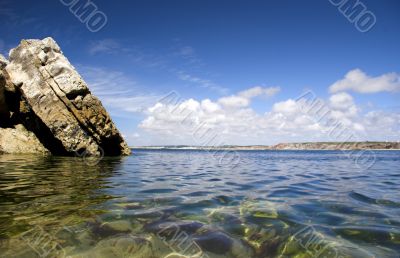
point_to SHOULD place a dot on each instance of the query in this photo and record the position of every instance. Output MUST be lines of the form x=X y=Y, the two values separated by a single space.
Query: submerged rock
x=194 y=238
x=214 y=242
x=41 y=89
x=119 y=246
x=103 y=230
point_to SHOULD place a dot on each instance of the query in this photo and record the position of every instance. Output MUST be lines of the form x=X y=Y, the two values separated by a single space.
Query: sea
x=200 y=203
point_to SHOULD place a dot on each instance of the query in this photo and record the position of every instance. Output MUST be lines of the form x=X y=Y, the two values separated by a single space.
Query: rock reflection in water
x=49 y=191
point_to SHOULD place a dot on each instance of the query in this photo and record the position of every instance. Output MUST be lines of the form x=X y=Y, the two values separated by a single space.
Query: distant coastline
x=287 y=146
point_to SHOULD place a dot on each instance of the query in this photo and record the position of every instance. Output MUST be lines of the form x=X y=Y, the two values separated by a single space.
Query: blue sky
x=238 y=66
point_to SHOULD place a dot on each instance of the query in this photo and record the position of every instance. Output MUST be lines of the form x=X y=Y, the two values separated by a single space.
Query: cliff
x=46 y=107
x=338 y=146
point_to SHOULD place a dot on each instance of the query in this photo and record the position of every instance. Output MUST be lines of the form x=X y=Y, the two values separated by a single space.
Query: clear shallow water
x=184 y=203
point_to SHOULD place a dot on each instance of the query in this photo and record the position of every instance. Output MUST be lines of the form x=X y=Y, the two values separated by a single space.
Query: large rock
x=19 y=140
x=60 y=108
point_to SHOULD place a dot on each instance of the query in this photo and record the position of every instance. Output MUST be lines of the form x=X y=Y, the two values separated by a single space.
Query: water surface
x=165 y=203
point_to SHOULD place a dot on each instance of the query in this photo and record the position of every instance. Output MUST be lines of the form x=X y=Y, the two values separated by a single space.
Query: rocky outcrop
x=42 y=90
x=19 y=140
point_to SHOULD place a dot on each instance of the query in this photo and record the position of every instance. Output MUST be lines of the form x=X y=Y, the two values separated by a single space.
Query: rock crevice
x=42 y=91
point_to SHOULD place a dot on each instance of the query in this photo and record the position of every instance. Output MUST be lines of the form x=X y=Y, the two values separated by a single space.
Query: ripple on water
x=382 y=202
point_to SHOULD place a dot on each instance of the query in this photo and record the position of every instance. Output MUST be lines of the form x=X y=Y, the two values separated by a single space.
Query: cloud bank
x=235 y=122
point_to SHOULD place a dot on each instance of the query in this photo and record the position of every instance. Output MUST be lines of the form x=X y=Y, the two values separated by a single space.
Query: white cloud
x=285 y=122
x=188 y=116
x=108 y=46
x=287 y=107
x=234 y=101
x=241 y=125
x=210 y=106
x=185 y=53
x=378 y=123
x=243 y=98
x=343 y=107
x=356 y=80
x=117 y=91
x=188 y=53
x=204 y=83
x=164 y=62
x=341 y=101
x=259 y=91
